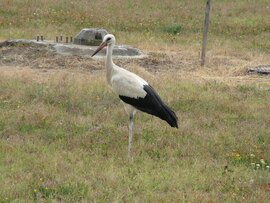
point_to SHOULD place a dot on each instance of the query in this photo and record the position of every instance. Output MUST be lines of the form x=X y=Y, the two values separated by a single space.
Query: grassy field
x=242 y=24
x=66 y=139
x=64 y=135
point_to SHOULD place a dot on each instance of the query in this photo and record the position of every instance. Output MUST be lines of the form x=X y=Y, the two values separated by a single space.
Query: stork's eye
x=108 y=39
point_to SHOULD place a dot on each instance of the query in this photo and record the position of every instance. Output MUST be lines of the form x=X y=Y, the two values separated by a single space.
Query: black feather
x=153 y=105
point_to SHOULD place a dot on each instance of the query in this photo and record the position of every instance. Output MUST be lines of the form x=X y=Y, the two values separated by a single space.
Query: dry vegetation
x=242 y=24
x=63 y=134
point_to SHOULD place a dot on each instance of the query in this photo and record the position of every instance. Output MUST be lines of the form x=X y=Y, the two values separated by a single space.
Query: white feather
x=127 y=84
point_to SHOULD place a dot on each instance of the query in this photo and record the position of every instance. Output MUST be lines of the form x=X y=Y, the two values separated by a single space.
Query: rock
x=262 y=69
x=91 y=37
x=120 y=51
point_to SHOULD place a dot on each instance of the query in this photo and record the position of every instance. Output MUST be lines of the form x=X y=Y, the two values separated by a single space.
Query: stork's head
x=107 y=40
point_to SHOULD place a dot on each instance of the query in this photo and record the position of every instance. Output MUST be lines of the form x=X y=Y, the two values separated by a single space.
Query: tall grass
x=66 y=140
x=246 y=24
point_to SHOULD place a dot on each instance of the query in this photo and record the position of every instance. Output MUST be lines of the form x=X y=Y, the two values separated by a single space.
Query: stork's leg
x=130 y=135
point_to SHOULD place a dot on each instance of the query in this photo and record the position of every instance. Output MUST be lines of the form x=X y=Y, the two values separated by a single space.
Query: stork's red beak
x=101 y=46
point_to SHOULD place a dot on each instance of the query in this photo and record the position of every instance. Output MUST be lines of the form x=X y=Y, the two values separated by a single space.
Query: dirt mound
x=44 y=56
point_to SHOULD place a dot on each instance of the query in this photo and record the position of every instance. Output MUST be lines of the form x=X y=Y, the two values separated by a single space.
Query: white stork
x=134 y=91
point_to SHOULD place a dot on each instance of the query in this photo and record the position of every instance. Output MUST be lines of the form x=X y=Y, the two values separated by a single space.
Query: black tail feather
x=153 y=104
x=170 y=116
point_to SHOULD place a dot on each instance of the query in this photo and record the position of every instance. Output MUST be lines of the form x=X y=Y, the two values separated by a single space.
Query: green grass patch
x=173 y=29
x=68 y=143
x=246 y=25
x=70 y=192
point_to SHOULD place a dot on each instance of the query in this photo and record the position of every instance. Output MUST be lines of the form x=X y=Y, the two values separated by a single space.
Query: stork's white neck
x=109 y=51
x=109 y=63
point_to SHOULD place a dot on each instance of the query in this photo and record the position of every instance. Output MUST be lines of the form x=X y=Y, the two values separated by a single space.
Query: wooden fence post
x=205 y=30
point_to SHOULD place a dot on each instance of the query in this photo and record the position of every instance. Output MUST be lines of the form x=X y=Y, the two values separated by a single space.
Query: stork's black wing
x=153 y=105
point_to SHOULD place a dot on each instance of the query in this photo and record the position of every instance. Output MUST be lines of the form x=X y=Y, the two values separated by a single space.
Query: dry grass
x=64 y=137
x=235 y=25
x=63 y=133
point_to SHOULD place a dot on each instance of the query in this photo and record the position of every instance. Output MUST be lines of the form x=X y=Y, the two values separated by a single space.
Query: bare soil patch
x=230 y=68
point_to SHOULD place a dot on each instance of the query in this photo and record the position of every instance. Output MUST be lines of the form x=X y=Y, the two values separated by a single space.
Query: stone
x=120 y=51
x=90 y=36
x=262 y=69
x=70 y=49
